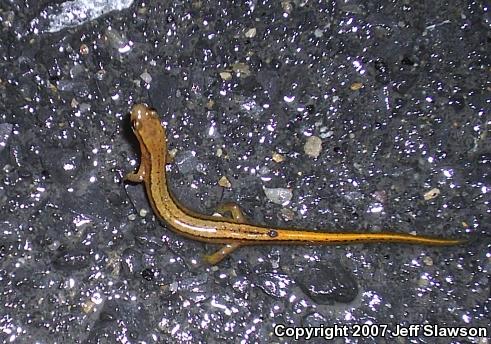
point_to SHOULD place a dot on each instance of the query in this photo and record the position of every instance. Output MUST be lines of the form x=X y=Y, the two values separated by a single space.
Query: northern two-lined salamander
x=231 y=232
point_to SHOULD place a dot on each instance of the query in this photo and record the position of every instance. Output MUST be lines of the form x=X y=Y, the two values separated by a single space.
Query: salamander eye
x=135 y=124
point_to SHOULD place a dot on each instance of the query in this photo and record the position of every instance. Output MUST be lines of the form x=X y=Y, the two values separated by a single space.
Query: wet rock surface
x=392 y=101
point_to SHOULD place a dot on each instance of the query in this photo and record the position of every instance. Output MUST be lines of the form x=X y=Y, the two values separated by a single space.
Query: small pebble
x=224 y=182
x=145 y=76
x=84 y=49
x=242 y=69
x=287 y=214
x=225 y=76
x=326 y=135
x=172 y=153
x=380 y=195
x=428 y=261
x=100 y=74
x=287 y=6
x=318 y=33
x=280 y=196
x=433 y=193
x=88 y=306
x=277 y=157
x=356 y=86
x=313 y=146
x=251 y=32
x=423 y=282
x=74 y=103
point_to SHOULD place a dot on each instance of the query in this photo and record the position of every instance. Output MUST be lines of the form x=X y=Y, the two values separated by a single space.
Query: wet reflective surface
x=339 y=116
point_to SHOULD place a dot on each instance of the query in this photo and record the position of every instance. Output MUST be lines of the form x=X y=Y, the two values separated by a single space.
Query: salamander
x=233 y=231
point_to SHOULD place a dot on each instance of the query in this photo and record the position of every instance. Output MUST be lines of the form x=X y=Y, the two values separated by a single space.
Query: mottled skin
x=232 y=232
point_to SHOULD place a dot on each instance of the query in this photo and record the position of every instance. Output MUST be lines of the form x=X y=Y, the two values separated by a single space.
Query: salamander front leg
x=222 y=253
x=234 y=209
x=136 y=177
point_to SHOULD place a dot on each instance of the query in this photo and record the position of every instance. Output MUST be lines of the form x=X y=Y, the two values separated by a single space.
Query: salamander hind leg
x=234 y=210
x=222 y=253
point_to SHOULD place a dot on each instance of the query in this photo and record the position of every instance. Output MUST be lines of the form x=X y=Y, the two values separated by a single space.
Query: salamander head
x=141 y=113
x=146 y=125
